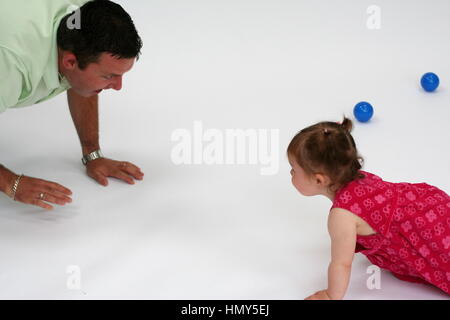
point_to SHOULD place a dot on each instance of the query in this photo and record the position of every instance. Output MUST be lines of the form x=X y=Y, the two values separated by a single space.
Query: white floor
x=227 y=231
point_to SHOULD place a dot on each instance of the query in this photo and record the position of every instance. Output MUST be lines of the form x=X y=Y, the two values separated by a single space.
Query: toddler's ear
x=322 y=179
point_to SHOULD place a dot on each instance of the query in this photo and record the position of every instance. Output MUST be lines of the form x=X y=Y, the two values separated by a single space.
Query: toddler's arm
x=342 y=230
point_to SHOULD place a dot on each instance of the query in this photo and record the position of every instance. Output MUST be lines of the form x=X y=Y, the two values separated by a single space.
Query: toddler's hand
x=319 y=295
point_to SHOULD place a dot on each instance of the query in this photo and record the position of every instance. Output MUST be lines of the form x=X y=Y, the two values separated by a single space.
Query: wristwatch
x=97 y=154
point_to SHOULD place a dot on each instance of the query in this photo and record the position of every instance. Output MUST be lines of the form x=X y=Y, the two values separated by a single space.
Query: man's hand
x=319 y=295
x=102 y=168
x=38 y=192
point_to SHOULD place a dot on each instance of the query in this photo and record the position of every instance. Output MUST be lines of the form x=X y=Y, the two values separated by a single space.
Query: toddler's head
x=324 y=158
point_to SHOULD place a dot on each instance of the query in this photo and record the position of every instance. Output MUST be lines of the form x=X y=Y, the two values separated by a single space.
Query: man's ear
x=69 y=60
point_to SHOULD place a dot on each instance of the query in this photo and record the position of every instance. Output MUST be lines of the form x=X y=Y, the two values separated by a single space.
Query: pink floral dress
x=412 y=225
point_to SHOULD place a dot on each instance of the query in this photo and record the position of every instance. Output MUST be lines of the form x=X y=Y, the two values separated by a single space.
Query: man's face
x=104 y=74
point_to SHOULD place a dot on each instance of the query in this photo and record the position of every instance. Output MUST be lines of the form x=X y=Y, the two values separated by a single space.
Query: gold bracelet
x=14 y=188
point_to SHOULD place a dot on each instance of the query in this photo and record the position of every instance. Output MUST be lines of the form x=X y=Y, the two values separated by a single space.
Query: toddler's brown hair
x=328 y=148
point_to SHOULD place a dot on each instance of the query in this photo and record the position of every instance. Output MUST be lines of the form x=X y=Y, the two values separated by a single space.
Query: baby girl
x=400 y=227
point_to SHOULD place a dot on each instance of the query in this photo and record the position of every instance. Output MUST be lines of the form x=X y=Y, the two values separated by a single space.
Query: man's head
x=95 y=56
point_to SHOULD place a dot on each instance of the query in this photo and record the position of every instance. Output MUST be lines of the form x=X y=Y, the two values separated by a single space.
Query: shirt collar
x=51 y=76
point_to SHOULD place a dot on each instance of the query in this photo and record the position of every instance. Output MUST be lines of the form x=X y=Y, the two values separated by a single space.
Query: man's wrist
x=88 y=148
x=7 y=179
x=94 y=155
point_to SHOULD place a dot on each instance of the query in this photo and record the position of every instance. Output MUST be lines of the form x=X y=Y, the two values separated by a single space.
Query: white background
x=227 y=232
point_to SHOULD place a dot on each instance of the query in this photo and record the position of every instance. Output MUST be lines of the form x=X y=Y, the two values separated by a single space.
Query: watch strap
x=97 y=154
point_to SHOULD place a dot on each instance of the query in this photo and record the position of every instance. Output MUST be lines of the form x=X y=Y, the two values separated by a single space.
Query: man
x=47 y=48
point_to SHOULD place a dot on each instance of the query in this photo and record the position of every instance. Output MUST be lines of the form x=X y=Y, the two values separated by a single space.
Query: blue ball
x=429 y=81
x=363 y=111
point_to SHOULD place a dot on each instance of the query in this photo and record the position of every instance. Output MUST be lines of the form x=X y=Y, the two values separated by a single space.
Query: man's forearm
x=338 y=279
x=6 y=180
x=84 y=113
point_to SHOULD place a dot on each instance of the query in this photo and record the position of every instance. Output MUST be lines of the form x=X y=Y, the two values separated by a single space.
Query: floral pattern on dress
x=412 y=225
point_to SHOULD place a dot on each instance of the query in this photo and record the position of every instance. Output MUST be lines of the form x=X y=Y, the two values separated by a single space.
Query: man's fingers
x=55 y=199
x=62 y=189
x=58 y=191
x=53 y=186
x=100 y=179
x=122 y=176
x=121 y=170
x=42 y=204
x=40 y=198
x=133 y=170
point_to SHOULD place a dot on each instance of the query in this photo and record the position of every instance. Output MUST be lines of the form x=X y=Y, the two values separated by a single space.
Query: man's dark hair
x=105 y=27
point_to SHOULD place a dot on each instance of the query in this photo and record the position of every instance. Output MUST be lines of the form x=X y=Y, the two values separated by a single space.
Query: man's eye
x=107 y=77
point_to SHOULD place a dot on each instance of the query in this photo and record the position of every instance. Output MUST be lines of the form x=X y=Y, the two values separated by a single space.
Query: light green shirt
x=28 y=50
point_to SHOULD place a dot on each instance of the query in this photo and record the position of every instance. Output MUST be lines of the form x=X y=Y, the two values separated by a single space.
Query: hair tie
x=326 y=132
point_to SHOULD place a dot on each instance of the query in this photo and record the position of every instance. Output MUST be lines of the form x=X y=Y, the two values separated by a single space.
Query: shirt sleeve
x=11 y=80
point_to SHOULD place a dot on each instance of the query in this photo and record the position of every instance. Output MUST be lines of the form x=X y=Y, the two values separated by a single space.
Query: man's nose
x=117 y=84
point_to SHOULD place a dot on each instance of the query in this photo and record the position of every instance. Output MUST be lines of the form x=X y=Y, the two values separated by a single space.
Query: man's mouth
x=98 y=91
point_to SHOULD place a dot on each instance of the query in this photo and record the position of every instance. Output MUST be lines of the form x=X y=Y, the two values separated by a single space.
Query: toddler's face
x=301 y=181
